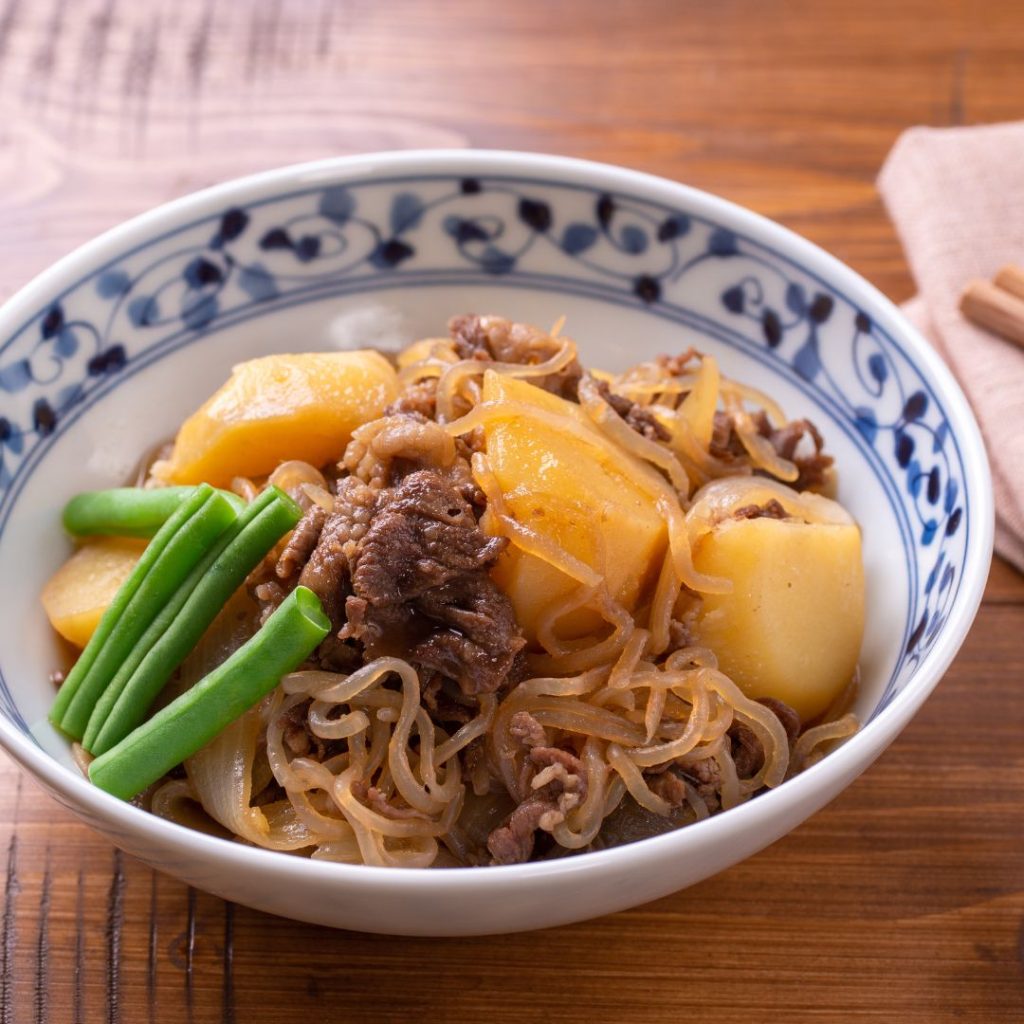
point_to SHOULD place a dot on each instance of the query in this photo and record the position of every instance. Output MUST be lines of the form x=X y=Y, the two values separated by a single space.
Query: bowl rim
x=827 y=777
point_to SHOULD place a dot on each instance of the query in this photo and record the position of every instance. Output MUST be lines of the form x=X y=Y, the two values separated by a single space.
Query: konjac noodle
x=567 y=608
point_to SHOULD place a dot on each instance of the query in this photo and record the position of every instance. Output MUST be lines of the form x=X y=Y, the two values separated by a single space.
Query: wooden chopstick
x=997 y=305
x=1011 y=279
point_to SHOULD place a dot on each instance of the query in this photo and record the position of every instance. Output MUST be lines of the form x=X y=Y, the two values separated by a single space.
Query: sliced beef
x=669 y=786
x=300 y=740
x=513 y=842
x=770 y=510
x=419 y=399
x=269 y=593
x=504 y=341
x=527 y=730
x=680 y=364
x=446 y=703
x=460 y=474
x=423 y=536
x=421 y=587
x=725 y=445
x=319 y=555
x=378 y=801
x=747 y=752
x=706 y=777
x=813 y=465
x=640 y=419
x=558 y=785
x=302 y=543
x=681 y=633
x=337 y=655
x=327 y=570
x=479 y=647
x=786 y=715
x=329 y=566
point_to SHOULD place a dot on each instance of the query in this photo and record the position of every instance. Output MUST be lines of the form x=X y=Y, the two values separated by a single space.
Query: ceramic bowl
x=105 y=353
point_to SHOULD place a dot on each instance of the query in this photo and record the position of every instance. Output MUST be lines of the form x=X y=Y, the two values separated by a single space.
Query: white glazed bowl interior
x=106 y=353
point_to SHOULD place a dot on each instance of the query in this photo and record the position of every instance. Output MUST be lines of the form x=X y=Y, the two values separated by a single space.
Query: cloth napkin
x=956 y=196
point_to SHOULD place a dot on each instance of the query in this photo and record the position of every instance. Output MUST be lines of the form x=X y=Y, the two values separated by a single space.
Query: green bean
x=127 y=511
x=186 y=544
x=122 y=598
x=212 y=572
x=191 y=721
x=178 y=628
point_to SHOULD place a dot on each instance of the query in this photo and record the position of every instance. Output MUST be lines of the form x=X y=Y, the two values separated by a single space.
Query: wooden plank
x=901 y=901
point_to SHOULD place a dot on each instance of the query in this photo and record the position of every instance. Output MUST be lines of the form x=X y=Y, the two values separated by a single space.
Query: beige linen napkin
x=956 y=196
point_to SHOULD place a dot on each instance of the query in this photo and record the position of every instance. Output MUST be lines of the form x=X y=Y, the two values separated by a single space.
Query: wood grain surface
x=902 y=901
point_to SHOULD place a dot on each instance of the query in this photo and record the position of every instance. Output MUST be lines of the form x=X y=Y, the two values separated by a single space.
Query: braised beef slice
x=302 y=543
x=421 y=589
x=337 y=655
x=318 y=556
x=544 y=807
x=300 y=740
x=446 y=703
x=812 y=466
x=513 y=842
x=669 y=786
x=785 y=714
x=681 y=633
x=747 y=752
x=326 y=572
x=706 y=777
x=640 y=419
x=418 y=398
x=679 y=364
x=770 y=510
x=725 y=445
x=503 y=341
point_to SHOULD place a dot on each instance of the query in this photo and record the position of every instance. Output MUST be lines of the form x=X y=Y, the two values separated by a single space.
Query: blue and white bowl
x=103 y=355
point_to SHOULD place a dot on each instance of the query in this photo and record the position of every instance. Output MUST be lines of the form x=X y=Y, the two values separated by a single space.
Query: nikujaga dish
x=472 y=603
x=105 y=356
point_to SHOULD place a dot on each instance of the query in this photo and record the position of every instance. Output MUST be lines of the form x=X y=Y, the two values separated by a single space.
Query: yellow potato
x=281 y=407
x=79 y=592
x=792 y=626
x=570 y=492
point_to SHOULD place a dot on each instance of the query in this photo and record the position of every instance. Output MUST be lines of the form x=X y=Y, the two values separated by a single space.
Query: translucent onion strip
x=584 y=821
x=807 y=745
x=455 y=375
x=623 y=435
x=294 y=477
x=634 y=782
x=661 y=753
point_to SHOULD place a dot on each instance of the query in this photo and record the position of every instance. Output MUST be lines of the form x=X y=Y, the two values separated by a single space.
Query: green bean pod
x=127 y=511
x=187 y=543
x=191 y=721
x=122 y=598
x=179 y=627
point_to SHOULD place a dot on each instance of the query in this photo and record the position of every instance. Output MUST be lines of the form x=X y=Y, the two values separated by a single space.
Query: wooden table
x=903 y=901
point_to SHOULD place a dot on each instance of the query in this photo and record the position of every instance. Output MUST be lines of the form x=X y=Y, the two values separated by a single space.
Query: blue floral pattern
x=374 y=233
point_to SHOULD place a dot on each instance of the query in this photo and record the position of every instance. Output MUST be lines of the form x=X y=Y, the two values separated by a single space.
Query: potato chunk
x=792 y=626
x=569 y=491
x=281 y=407
x=79 y=592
